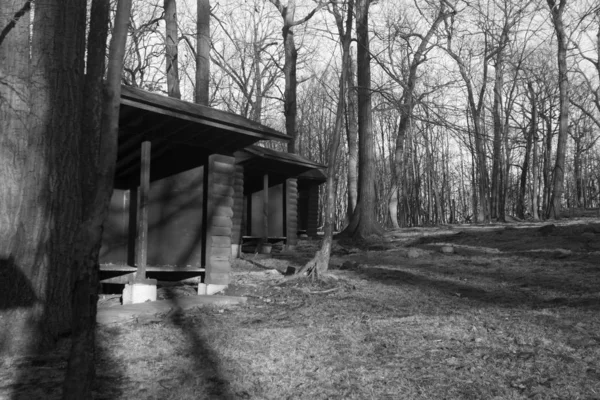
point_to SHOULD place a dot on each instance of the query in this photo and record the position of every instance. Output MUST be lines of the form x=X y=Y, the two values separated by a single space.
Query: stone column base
x=208 y=289
x=235 y=250
x=139 y=292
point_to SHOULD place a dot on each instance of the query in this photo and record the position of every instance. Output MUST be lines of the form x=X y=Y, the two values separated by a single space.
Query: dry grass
x=503 y=325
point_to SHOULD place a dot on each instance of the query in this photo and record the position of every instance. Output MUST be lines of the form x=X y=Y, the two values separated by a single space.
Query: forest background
x=466 y=98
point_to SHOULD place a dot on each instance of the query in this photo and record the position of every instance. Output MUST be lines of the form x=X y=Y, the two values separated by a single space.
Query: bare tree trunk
x=577 y=160
x=171 y=42
x=364 y=220
x=475 y=110
x=15 y=110
x=407 y=107
x=498 y=130
x=203 y=53
x=547 y=154
x=101 y=124
x=530 y=139
x=290 y=65
x=535 y=179
x=40 y=202
x=320 y=263
x=352 y=135
x=289 y=72
x=556 y=11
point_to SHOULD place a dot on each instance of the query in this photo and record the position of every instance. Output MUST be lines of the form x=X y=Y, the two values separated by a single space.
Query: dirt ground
x=505 y=311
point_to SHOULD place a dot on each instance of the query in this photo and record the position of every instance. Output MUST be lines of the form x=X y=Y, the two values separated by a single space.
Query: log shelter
x=267 y=197
x=172 y=207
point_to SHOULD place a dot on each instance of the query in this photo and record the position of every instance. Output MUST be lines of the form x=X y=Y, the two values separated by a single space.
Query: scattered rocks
x=547 y=229
x=592 y=228
x=414 y=253
x=447 y=249
x=588 y=236
x=349 y=265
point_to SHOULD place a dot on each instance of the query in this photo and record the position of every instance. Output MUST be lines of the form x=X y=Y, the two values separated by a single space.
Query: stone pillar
x=238 y=211
x=291 y=213
x=219 y=174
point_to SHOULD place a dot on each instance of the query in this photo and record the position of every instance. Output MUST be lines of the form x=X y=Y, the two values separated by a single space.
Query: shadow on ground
x=501 y=291
x=205 y=360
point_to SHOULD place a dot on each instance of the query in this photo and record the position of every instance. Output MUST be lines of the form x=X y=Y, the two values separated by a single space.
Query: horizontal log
x=219 y=231
x=220 y=189
x=219 y=258
x=220 y=211
x=222 y=167
x=219 y=266
x=219 y=252
x=217 y=278
x=219 y=241
x=216 y=221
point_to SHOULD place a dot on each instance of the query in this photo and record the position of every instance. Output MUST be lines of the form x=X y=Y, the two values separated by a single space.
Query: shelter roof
x=258 y=161
x=183 y=134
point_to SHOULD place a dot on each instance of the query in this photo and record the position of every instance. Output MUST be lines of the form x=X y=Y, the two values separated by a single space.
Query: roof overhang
x=182 y=134
x=279 y=166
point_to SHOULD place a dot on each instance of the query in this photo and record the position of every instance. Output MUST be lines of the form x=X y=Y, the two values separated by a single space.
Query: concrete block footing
x=208 y=289
x=139 y=292
x=235 y=250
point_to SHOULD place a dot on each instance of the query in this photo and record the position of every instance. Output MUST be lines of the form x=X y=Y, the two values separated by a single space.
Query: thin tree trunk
x=352 y=135
x=289 y=72
x=535 y=178
x=556 y=11
x=498 y=130
x=101 y=124
x=203 y=53
x=171 y=42
x=320 y=263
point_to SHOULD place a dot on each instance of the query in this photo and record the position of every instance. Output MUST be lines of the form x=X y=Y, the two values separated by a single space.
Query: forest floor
x=504 y=311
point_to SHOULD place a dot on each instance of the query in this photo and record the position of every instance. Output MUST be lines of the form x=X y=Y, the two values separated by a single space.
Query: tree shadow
x=535 y=242
x=38 y=372
x=111 y=377
x=207 y=365
x=497 y=295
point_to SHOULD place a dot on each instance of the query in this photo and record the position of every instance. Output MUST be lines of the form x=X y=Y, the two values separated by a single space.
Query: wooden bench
x=250 y=243
x=120 y=273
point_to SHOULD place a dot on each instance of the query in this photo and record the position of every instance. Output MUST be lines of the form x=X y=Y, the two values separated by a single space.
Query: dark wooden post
x=132 y=226
x=266 y=208
x=141 y=248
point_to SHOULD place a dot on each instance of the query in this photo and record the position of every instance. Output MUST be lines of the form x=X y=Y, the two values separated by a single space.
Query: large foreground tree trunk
x=40 y=201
